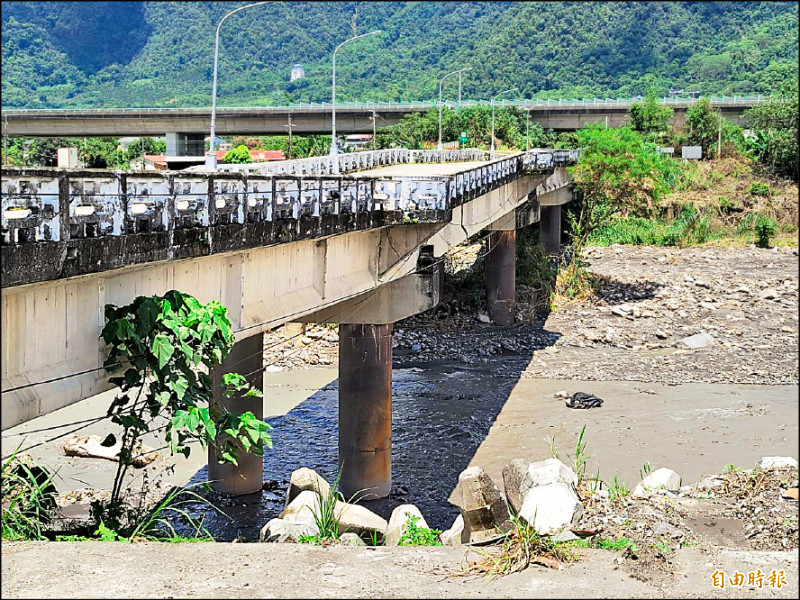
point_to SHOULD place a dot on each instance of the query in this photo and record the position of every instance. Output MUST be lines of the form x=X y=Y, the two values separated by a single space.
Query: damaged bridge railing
x=72 y=222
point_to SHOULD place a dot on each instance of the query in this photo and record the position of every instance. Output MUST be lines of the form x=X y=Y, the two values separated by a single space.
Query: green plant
x=596 y=482
x=605 y=543
x=551 y=442
x=650 y=117
x=326 y=517
x=662 y=547
x=418 y=536
x=28 y=498
x=580 y=458
x=618 y=489
x=765 y=227
x=731 y=468
x=238 y=155
x=759 y=188
x=168 y=346
x=646 y=469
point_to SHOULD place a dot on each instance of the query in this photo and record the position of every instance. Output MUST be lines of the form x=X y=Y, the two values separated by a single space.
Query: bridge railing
x=52 y=205
x=351 y=162
x=537 y=103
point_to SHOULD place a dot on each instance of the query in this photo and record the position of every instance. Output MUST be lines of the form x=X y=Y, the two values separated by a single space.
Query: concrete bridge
x=186 y=127
x=361 y=249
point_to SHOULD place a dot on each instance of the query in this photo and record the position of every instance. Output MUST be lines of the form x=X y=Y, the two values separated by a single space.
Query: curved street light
x=334 y=146
x=211 y=159
x=497 y=96
x=441 y=81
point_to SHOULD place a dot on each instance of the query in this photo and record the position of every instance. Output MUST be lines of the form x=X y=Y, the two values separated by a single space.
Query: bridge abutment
x=365 y=410
x=500 y=276
x=246 y=358
x=550 y=229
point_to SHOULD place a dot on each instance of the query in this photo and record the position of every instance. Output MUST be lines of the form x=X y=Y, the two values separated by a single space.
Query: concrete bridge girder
x=51 y=329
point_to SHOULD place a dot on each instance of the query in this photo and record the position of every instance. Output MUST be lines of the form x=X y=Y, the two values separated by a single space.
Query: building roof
x=257 y=155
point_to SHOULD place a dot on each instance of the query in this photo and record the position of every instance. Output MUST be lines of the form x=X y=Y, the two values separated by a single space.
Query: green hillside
x=93 y=54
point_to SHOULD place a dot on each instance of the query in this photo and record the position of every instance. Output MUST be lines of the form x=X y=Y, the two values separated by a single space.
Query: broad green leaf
x=162 y=349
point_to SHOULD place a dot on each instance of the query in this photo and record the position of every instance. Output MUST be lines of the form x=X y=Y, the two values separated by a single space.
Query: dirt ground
x=206 y=570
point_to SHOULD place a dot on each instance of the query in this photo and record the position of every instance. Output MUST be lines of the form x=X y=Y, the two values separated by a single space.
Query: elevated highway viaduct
x=186 y=128
x=362 y=249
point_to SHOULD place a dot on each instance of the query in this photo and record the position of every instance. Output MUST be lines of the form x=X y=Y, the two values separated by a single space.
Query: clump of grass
x=759 y=188
x=646 y=469
x=418 y=536
x=618 y=489
x=326 y=518
x=155 y=524
x=580 y=458
x=28 y=498
x=690 y=227
x=521 y=546
x=605 y=543
x=765 y=228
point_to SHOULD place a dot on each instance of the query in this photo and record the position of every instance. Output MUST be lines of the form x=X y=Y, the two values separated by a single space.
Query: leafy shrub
x=237 y=156
x=759 y=188
x=765 y=227
x=418 y=536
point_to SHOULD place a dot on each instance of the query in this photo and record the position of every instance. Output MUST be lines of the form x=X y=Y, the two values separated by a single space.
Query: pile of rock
x=357 y=525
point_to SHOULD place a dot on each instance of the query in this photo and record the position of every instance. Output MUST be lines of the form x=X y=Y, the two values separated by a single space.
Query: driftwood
x=94 y=446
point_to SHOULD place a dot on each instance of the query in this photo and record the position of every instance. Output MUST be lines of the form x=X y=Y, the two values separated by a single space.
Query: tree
x=774 y=142
x=702 y=127
x=237 y=156
x=649 y=117
x=146 y=145
x=168 y=346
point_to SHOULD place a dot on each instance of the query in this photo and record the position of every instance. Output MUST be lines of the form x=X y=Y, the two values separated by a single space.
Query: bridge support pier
x=365 y=410
x=185 y=144
x=550 y=229
x=245 y=358
x=500 y=276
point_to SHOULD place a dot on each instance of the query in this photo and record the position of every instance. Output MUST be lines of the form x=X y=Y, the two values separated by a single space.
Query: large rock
x=352 y=517
x=351 y=539
x=776 y=462
x=513 y=474
x=482 y=506
x=546 y=472
x=552 y=507
x=359 y=520
x=398 y=520
x=697 y=341
x=302 y=509
x=452 y=537
x=280 y=530
x=306 y=479
x=662 y=478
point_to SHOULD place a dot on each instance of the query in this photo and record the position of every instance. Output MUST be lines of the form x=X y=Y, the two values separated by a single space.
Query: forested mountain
x=94 y=54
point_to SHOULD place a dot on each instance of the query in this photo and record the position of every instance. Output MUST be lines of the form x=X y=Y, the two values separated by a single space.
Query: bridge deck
x=421 y=170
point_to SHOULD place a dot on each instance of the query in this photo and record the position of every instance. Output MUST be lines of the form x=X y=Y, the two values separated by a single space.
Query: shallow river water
x=440 y=415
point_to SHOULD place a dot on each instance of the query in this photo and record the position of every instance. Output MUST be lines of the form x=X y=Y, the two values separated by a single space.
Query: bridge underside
x=51 y=329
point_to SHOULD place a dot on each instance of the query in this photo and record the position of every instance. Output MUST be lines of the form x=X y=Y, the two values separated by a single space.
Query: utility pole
x=459 y=90
x=289 y=127
x=374 y=131
x=719 y=136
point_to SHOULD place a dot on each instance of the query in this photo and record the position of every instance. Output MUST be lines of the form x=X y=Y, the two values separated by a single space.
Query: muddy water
x=440 y=416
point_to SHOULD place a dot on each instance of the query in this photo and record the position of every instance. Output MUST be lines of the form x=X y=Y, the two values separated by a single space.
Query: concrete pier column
x=365 y=410
x=246 y=358
x=550 y=229
x=500 y=276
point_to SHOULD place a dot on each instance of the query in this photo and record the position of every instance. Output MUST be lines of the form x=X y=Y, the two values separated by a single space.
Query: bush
x=237 y=156
x=758 y=188
x=765 y=227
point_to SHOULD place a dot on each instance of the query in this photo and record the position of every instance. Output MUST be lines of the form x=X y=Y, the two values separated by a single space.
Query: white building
x=297 y=73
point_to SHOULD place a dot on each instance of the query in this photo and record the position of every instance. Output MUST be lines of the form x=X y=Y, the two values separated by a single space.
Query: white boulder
x=280 y=530
x=776 y=462
x=660 y=479
x=550 y=508
x=398 y=520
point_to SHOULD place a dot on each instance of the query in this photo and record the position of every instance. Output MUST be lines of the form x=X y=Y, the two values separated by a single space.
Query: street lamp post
x=374 y=131
x=334 y=146
x=441 y=81
x=527 y=128
x=288 y=125
x=497 y=96
x=211 y=159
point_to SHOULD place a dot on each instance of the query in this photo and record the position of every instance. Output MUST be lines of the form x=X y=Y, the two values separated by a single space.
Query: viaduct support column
x=365 y=410
x=550 y=229
x=246 y=358
x=500 y=276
